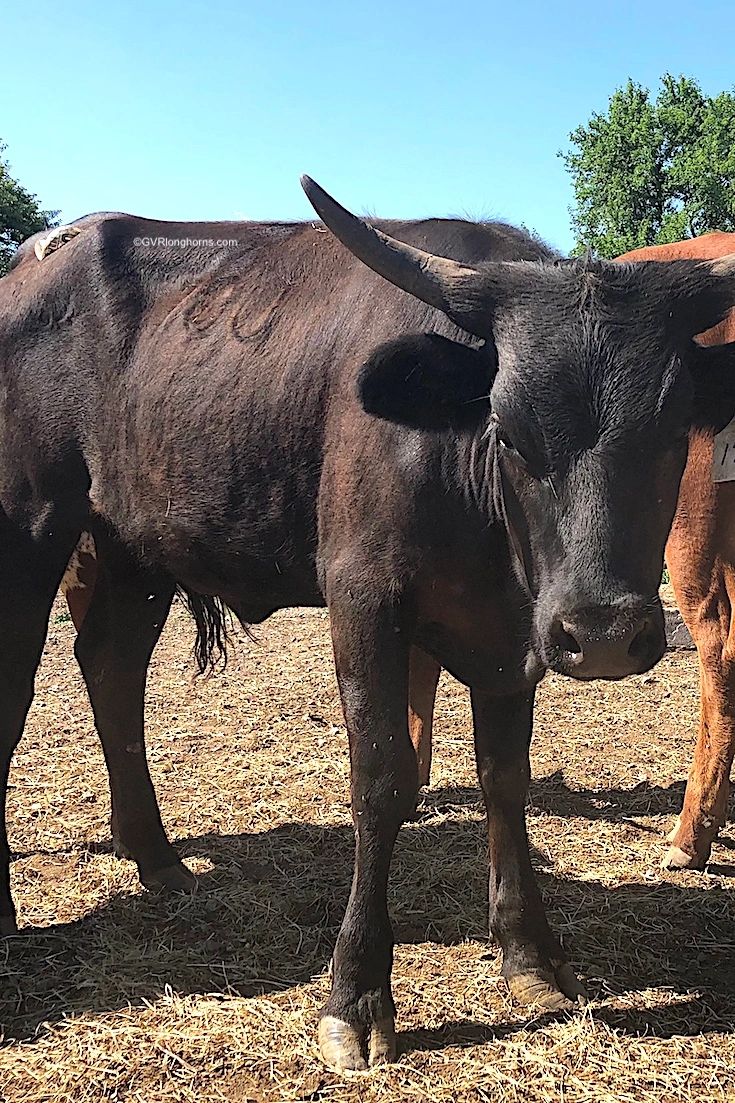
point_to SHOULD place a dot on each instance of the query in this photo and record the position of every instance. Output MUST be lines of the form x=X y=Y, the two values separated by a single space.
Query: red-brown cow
x=701 y=560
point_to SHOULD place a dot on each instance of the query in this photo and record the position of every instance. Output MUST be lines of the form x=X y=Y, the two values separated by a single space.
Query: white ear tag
x=723 y=456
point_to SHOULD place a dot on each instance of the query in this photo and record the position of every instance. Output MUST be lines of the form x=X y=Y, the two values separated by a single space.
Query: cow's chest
x=478 y=627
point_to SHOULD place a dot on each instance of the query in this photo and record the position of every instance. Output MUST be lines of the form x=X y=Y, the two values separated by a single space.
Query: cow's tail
x=214 y=629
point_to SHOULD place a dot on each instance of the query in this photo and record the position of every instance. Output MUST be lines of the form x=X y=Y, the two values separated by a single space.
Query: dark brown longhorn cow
x=448 y=457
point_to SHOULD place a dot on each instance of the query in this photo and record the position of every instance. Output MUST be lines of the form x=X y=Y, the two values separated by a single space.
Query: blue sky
x=188 y=110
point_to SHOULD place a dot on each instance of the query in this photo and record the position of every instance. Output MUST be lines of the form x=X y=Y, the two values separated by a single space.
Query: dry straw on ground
x=114 y=994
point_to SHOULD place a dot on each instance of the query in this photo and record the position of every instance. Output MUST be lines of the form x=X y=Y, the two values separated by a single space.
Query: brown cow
x=701 y=558
x=444 y=459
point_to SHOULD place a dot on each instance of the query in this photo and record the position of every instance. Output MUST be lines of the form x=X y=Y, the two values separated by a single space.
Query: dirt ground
x=111 y=993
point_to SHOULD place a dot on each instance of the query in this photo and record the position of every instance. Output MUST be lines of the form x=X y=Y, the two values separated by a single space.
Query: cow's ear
x=698 y=294
x=713 y=371
x=427 y=381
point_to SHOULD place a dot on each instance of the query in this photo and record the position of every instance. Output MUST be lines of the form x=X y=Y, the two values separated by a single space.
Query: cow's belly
x=248 y=537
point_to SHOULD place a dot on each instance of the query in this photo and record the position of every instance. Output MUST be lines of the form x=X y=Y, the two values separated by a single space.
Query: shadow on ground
x=552 y=794
x=268 y=911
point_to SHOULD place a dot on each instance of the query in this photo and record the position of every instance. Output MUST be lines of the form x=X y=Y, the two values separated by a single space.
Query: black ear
x=700 y=294
x=427 y=381
x=712 y=369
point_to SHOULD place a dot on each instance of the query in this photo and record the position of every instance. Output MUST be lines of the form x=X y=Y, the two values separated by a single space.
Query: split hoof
x=382 y=1043
x=418 y=809
x=676 y=858
x=174 y=878
x=560 y=990
x=690 y=847
x=343 y=1047
x=8 y=926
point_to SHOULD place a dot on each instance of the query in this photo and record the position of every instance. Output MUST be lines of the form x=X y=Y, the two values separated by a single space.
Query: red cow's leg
x=423 y=679
x=701 y=558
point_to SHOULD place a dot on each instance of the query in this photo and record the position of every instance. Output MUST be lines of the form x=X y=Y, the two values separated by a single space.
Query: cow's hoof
x=382 y=1043
x=341 y=1044
x=8 y=925
x=676 y=858
x=174 y=878
x=418 y=809
x=691 y=846
x=560 y=990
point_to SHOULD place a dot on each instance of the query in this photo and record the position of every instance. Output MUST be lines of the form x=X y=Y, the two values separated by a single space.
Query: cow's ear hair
x=699 y=294
x=427 y=381
x=712 y=369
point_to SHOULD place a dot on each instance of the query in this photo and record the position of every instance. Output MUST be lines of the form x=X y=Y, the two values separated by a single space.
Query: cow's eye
x=509 y=447
x=504 y=440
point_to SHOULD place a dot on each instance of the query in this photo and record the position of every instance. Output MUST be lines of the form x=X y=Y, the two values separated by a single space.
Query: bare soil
x=111 y=993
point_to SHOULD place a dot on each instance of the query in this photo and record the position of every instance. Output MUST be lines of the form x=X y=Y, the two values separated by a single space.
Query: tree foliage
x=650 y=171
x=20 y=214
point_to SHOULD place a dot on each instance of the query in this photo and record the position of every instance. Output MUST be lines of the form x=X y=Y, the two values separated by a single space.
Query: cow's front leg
x=534 y=963
x=371 y=656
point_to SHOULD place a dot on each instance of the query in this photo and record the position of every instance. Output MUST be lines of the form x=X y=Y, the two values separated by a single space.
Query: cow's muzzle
x=605 y=641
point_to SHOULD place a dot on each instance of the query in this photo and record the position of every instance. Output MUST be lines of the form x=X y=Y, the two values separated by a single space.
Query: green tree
x=650 y=171
x=20 y=214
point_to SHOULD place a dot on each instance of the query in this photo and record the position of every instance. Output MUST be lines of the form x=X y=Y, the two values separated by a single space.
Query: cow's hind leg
x=423 y=679
x=701 y=559
x=29 y=579
x=534 y=963
x=115 y=642
x=706 y=799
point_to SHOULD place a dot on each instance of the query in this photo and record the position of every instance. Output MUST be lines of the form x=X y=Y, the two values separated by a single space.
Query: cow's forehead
x=578 y=381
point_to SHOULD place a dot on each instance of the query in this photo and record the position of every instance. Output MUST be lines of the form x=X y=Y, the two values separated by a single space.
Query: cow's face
x=590 y=424
x=597 y=385
x=591 y=411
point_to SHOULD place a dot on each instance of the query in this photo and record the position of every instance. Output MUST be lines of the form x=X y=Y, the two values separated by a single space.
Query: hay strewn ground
x=114 y=994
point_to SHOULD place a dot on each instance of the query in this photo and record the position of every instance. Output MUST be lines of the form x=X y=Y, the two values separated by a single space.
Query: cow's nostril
x=566 y=640
x=639 y=643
